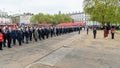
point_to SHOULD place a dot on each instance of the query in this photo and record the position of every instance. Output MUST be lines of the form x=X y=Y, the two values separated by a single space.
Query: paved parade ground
x=66 y=51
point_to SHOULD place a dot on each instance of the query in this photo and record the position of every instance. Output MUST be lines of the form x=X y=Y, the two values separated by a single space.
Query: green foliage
x=54 y=19
x=60 y=18
x=104 y=11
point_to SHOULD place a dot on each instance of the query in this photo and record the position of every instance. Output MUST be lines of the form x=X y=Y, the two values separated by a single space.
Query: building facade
x=79 y=17
x=22 y=18
x=4 y=18
x=82 y=17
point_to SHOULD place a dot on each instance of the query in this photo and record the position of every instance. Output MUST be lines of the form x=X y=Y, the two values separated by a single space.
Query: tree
x=103 y=11
x=60 y=18
x=47 y=18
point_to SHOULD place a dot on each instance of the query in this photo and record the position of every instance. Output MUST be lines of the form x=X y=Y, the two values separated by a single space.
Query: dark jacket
x=26 y=33
x=14 y=34
x=19 y=34
x=8 y=35
x=94 y=30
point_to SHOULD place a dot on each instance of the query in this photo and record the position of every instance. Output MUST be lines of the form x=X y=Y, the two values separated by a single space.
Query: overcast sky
x=43 y=6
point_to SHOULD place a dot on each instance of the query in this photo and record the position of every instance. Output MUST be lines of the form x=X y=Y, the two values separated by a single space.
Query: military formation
x=24 y=35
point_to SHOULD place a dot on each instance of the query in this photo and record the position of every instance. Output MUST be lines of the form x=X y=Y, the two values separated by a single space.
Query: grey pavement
x=66 y=51
x=21 y=56
x=85 y=52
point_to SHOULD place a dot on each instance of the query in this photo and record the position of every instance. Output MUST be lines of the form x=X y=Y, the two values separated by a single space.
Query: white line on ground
x=54 y=57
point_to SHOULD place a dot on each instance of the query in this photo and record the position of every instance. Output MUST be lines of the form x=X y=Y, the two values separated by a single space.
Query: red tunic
x=112 y=30
x=105 y=33
x=1 y=37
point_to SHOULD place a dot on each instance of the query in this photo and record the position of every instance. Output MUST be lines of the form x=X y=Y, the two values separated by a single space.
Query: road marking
x=54 y=57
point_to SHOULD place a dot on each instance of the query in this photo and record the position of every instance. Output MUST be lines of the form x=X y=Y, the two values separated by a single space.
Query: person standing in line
x=54 y=31
x=51 y=31
x=1 y=39
x=23 y=34
x=57 y=31
x=94 y=32
x=4 y=35
x=30 y=33
x=47 y=32
x=39 y=33
x=112 y=32
x=43 y=33
x=14 y=36
x=19 y=36
x=26 y=35
x=9 y=38
x=35 y=34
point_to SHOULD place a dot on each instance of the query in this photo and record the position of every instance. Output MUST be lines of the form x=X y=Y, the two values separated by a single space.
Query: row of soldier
x=27 y=34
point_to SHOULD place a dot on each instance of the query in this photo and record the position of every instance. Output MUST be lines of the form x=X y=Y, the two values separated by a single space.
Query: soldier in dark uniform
x=30 y=33
x=14 y=36
x=54 y=31
x=9 y=38
x=43 y=33
x=35 y=34
x=65 y=30
x=4 y=34
x=57 y=31
x=51 y=31
x=26 y=35
x=23 y=34
x=39 y=33
x=60 y=30
x=19 y=36
x=47 y=31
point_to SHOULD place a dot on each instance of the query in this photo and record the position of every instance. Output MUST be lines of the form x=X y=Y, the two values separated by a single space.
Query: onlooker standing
x=1 y=39
x=79 y=29
x=112 y=32
x=87 y=29
x=94 y=32
x=105 y=32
